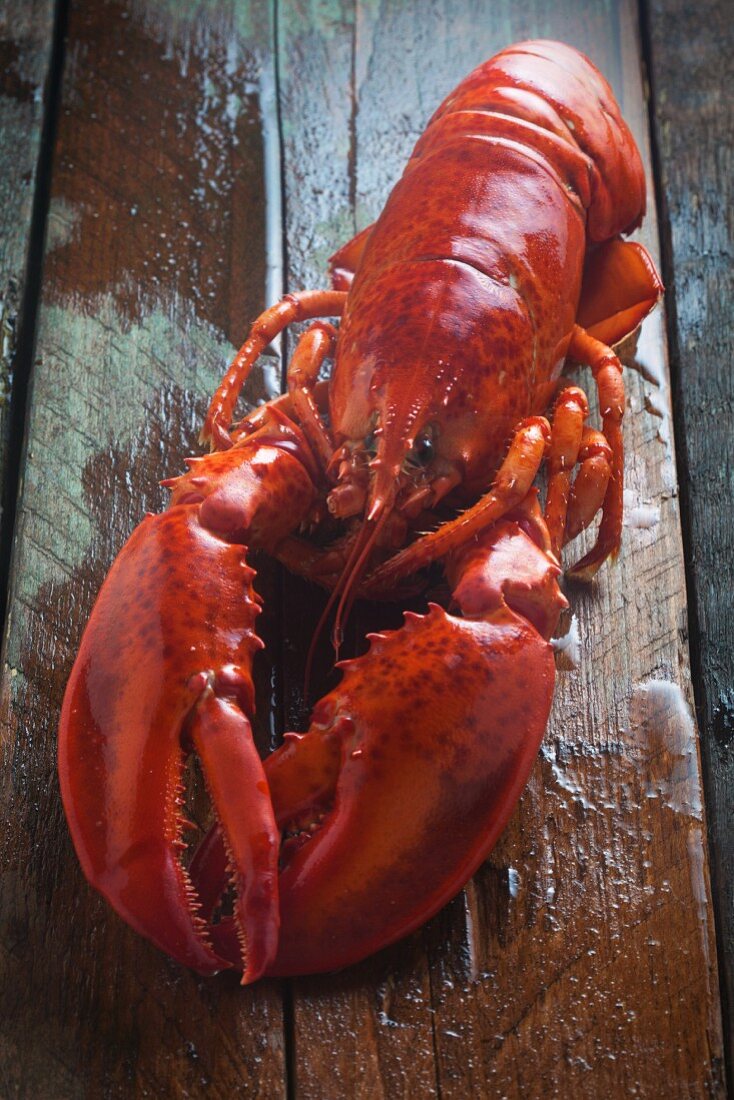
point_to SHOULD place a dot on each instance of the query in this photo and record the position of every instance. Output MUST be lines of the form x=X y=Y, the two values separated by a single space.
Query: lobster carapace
x=497 y=260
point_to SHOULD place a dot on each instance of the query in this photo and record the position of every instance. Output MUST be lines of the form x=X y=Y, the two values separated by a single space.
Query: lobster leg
x=567 y=426
x=590 y=484
x=303 y=306
x=314 y=346
x=511 y=485
x=607 y=371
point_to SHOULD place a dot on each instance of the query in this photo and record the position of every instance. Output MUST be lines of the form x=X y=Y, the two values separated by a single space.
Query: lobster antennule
x=342 y=592
x=354 y=570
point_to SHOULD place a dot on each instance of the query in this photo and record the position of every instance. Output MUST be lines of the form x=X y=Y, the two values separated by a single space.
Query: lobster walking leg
x=511 y=485
x=590 y=484
x=304 y=306
x=567 y=426
x=316 y=344
x=607 y=371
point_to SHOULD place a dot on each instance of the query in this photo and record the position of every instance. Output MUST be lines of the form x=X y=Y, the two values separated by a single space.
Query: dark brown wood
x=692 y=71
x=156 y=260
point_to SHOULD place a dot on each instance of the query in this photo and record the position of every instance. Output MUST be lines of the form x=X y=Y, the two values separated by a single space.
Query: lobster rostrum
x=497 y=260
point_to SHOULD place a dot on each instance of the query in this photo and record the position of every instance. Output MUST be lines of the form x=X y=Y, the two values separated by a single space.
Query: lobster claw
x=129 y=720
x=164 y=670
x=413 y=764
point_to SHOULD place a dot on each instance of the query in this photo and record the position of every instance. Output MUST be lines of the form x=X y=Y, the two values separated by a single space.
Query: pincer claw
x=423 y=747
x=222 y=737
x=164 y=669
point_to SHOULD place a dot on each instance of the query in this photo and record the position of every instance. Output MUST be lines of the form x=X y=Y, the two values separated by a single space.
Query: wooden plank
x=156 y=261
x=26 y=35
x=581 y=959
x=691 y=72
x=338 y=1050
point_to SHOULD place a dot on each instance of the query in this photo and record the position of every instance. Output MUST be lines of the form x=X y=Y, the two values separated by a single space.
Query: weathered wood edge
x=162 y=104
x=323 y=1004
x=691 y=73
x=27 y=68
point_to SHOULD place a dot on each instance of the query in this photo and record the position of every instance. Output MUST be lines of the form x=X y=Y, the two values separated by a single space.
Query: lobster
x=497 y=260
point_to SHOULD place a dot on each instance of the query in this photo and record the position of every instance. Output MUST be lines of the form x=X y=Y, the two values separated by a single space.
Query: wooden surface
x=206 y=155
x=26 y=35
x=693 y=71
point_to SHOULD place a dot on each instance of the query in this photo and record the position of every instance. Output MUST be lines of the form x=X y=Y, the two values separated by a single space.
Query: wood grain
x=580 y=961
x=26 y=33
x=692 y=71
x=156 y=261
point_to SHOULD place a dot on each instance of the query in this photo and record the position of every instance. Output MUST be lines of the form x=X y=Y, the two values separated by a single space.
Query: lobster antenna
x=354 y=572
x=350 y=575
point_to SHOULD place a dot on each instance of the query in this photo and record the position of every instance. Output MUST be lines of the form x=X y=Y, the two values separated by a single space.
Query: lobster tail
x=562 y=92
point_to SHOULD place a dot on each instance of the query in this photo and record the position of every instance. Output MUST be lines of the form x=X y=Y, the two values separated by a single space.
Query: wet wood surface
x=26 y=37
x=692 y=71
x=155 y=256
x=206 y=157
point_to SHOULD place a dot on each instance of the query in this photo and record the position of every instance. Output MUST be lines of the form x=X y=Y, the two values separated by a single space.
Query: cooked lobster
x=496 y=260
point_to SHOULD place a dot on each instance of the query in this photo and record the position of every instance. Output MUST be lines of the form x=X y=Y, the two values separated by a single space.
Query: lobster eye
x=423 y=450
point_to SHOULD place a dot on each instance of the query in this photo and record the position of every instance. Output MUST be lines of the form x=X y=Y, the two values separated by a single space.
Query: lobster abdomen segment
x=557 y=88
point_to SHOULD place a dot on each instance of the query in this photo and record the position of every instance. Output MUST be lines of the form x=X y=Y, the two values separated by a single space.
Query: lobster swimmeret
x=496 y=260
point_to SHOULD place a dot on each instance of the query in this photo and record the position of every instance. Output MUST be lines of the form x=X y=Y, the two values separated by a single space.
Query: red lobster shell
x=496 y=260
